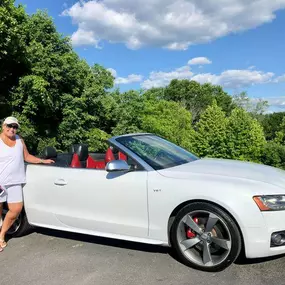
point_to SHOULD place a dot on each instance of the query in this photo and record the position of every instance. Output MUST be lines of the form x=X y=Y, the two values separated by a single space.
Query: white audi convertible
x=146 y=189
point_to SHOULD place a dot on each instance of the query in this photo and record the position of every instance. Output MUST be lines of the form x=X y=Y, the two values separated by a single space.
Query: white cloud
x=159 y=79
x=231 y=79
x=84 y=37
x=132 y=78
x=199 y=61
x=275 y=103
x=280 y=79
x=236 y=78
x=173 y=24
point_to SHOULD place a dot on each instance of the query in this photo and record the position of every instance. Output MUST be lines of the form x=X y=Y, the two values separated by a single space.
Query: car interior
x=79 y=156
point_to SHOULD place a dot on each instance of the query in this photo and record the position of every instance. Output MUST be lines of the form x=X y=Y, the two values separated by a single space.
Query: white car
x=146 y=189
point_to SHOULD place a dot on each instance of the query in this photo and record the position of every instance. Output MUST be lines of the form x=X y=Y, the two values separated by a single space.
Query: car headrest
x=81 y=150
x=109 y=156
x=49 y=152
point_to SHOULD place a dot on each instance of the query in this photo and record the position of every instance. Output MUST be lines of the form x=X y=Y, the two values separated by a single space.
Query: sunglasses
x=15 y=127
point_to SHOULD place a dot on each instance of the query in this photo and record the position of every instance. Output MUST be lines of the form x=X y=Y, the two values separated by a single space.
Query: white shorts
x=13 y=194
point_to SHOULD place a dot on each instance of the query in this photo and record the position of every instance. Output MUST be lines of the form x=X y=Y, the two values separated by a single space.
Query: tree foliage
x=274 y=155
x=168 y=119
x=245 y=137
x=254 y=107
x=211 y=131
x=271 y=124
x=13 y=60
x=197 y=97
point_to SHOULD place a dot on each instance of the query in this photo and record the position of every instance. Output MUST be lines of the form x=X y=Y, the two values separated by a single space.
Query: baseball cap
x=11 y=120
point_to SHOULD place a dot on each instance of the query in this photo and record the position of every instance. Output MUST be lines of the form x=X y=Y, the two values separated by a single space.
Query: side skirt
x=106 y=235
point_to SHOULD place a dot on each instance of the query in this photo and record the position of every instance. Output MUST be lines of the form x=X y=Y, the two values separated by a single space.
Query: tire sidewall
x=230 y=223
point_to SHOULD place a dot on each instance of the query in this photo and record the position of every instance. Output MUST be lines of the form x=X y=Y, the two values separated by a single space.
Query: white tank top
x=12 y=167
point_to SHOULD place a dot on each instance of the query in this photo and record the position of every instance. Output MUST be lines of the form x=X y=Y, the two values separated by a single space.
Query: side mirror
x=117 y=165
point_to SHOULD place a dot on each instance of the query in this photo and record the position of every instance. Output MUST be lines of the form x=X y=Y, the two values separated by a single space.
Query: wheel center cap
x=206 y=237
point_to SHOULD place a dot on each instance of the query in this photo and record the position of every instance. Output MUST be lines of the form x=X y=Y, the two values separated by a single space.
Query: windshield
x=157 y=152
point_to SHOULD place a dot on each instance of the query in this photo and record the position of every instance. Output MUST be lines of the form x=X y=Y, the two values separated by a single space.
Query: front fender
x=167 y=195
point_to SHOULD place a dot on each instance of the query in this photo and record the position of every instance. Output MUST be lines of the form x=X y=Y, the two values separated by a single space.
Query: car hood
x=229 y=168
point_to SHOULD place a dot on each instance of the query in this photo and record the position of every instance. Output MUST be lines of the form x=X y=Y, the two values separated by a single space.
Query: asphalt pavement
x=52 y=257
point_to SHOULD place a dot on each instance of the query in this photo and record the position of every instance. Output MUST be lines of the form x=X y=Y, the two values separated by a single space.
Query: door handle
x=60 y=182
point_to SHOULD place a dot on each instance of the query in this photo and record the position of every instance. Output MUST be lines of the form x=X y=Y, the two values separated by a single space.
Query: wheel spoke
x=226 y=244
x=190 y=223
x=213 y=219
x=188 y=243
x=207 y=258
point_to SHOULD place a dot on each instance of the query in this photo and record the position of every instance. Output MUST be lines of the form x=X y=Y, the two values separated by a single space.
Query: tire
x=200 y=248
x=21 y=227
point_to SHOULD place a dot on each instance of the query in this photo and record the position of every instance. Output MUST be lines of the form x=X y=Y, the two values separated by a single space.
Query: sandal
x=3 y=244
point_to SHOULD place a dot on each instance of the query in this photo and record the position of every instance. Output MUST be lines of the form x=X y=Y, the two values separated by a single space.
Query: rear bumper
x=257 y=240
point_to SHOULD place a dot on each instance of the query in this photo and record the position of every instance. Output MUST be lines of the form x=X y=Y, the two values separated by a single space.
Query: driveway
x=51 y=257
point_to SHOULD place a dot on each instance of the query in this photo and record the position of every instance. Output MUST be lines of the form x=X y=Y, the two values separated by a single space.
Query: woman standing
x=13 y=153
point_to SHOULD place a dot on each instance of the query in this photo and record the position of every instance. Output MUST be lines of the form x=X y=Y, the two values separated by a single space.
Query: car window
x=157 y=152
x=131 y=162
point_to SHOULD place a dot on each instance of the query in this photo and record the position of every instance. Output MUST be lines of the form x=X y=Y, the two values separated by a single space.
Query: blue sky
x=149 y=42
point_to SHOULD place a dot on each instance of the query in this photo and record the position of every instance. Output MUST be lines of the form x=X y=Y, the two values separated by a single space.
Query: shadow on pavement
x=105 y=241
x=136 y=246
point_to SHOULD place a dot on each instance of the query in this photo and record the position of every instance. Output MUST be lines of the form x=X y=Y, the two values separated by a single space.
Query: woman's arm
x=33 y=159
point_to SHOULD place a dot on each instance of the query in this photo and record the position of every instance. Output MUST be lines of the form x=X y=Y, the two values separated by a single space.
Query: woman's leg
x=15 y=206
x=1 y=209
x=11 y=216
x=1 y=222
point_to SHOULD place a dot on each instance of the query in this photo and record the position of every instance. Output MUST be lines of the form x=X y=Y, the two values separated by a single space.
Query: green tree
x=80 y=114
x=271 y=124
x=59 y=98
x=274 y=155
x=128 y=113
x=169 y=120
x=196 y=97
x=13 y=60
x=210 y=135
x=280 y=134
x=245 y=137
x=255 y=107
x=97 y=140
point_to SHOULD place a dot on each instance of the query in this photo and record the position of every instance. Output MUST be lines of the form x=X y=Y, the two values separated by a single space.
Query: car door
x=95 y=200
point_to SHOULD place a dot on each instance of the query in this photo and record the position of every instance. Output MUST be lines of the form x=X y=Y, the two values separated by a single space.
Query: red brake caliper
x=190 y=233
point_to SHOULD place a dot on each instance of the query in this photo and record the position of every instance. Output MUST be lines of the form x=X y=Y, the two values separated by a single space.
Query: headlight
x=270 y=202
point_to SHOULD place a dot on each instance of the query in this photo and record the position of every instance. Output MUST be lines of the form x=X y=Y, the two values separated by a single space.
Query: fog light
x=278 y=239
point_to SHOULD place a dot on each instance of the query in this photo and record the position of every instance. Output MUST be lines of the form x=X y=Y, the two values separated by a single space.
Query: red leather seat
x=109 y=156
x=80 y=155
x=92 y=163
x=122 y=156
x=75 y=161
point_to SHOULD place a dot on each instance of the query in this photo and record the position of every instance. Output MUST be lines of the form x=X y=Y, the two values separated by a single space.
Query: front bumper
x=258 y=240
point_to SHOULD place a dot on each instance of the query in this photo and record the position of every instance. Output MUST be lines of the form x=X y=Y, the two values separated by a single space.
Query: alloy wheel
x=204 y=238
